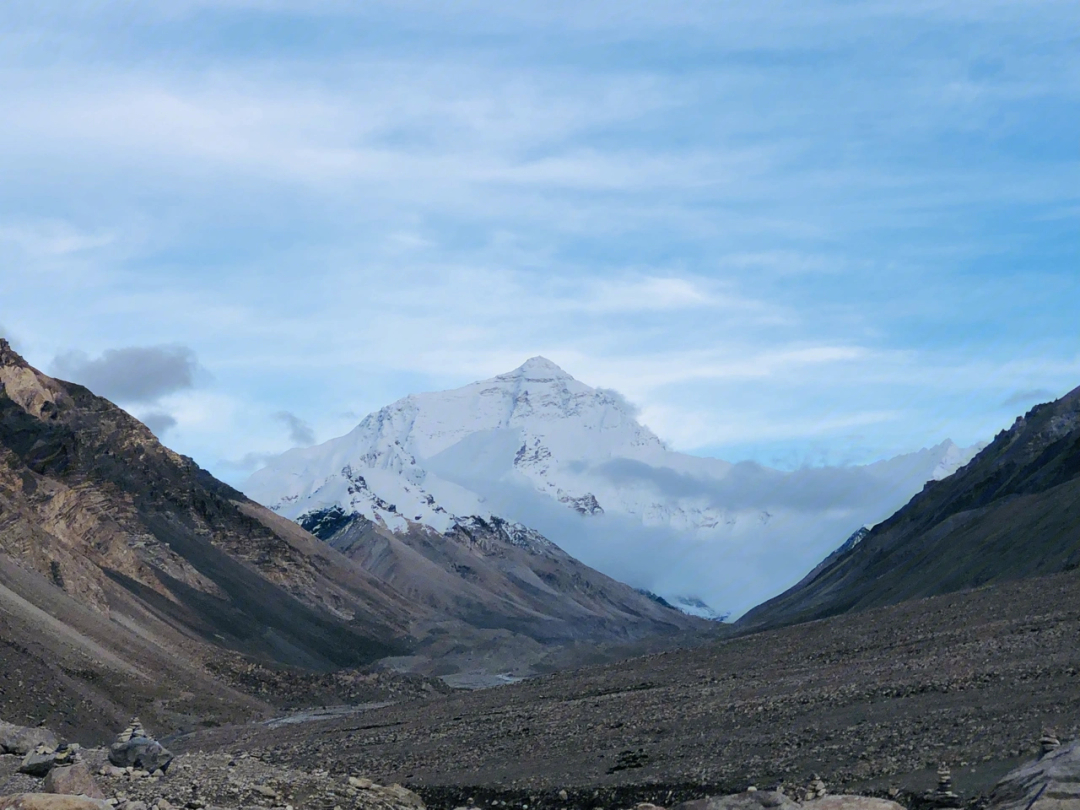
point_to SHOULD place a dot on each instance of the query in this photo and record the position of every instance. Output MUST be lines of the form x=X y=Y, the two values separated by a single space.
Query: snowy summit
x=571 y=461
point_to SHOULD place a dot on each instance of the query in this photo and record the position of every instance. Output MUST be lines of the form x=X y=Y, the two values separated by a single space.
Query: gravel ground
x=871 y=701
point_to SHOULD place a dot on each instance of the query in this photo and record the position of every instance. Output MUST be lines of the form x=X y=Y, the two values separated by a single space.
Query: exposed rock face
x=1012 y=512
x=1051 y=782
x=130 y=575
x=130 y=566
x=500 y=585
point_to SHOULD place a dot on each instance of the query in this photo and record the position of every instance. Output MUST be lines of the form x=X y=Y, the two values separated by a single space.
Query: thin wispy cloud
x=300 y=432
x=769 y=226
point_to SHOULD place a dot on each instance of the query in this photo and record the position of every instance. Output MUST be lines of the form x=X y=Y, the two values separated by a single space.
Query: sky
x=794 y=233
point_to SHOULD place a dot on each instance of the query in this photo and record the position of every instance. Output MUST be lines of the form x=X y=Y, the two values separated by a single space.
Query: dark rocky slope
x=1012 y=512
x=503 y=588
x=127 y=573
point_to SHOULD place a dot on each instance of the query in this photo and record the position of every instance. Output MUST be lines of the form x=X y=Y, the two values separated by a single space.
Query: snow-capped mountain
x=539 y=448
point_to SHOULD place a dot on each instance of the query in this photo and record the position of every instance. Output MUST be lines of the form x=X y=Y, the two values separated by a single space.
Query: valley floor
x=870 y=701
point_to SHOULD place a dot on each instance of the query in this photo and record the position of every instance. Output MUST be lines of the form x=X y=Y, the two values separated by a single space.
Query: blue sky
x=791 y=232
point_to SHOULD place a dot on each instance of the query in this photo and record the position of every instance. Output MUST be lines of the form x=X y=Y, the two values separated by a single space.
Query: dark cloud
x=159 y=422
x=1032 y=397
x=131 y=374
x=300 y=432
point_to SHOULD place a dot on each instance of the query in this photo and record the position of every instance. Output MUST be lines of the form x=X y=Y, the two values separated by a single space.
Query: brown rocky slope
x=130 y=575
x=132 y=580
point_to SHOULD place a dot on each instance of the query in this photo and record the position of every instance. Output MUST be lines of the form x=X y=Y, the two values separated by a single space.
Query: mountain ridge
x=98 y=509
x=536 y=447
x=1013 y=511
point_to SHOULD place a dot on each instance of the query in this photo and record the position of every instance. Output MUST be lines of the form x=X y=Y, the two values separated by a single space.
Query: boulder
x=141 y=753
x=846 y=802
x=51 y=801
x=1051 y=782
x=72 y=780
x=21 y=740
x=134 y=748
x=38 y=762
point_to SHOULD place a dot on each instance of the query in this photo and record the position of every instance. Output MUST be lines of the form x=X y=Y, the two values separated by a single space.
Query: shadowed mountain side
x=1012 y=512
x=91 y=501
x=499 y=584
x=83 y=673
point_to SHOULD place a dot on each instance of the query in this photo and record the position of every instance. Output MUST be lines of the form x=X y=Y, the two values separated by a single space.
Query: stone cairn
x=134 y=729
x=816 y=788
x=943 y=796
x=134 y=749
x=67 y=754
x=1049 y=742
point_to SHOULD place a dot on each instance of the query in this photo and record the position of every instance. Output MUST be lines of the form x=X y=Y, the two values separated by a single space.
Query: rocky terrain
x=191 y=781
x=1012 y=512
x=528 y=605
x=130 y=579
x=871 y=701
x=136 y=772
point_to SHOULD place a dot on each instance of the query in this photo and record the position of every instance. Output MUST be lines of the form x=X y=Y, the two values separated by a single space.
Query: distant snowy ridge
x=570 y=462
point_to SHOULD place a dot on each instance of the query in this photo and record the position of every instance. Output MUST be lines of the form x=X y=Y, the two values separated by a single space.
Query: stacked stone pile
x=137 y=750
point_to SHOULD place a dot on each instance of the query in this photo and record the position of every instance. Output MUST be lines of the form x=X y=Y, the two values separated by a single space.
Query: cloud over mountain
x=135 y=374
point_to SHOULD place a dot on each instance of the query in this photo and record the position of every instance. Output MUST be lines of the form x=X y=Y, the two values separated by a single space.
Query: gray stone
x=141 y=753
x=847 y=802
x=752 y=800
x=21 y=741
x=38 y=762
x=1051 y=782
x=73 y=780
x=50 y=801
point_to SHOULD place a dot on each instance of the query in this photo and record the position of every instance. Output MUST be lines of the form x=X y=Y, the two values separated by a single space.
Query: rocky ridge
x=1013 y=511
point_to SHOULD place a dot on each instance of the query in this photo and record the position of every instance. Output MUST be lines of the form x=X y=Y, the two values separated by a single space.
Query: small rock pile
x=135 y=750
x=943 y=795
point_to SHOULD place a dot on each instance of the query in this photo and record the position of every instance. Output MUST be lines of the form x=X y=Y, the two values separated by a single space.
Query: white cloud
x=700 y=206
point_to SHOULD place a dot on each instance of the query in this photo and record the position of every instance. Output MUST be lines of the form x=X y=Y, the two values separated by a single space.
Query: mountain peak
x=538 y=367
x=10 y=357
